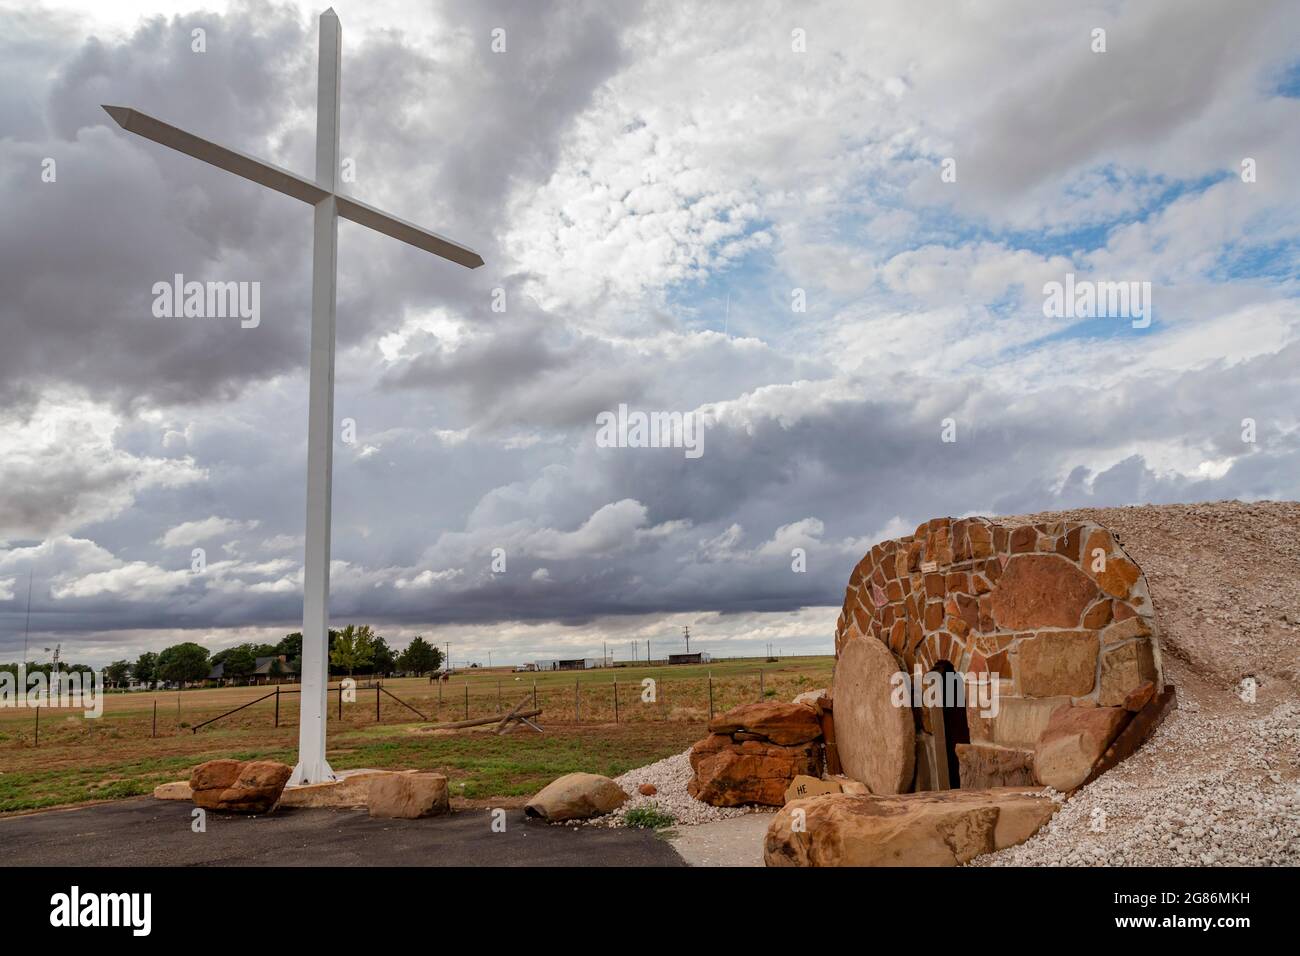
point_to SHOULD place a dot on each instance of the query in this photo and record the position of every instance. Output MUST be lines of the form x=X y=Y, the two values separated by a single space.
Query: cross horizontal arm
x=291 y=184
x=408 y=232
x=263 y=173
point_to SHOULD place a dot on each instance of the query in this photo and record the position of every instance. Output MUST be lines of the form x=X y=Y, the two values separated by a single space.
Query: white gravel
x=1207 y=790
x=670 y=776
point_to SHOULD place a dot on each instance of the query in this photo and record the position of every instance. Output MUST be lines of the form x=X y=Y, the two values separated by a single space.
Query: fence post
x=710 y=696
x=277 y=705
x=467 y=700
x=577 y=702
x=340 y=700
x=615 y=700
x=498 y=693
x=37 y=741
x=376 y=701
x=534 y=695
x=154 y=732
x=663 y=696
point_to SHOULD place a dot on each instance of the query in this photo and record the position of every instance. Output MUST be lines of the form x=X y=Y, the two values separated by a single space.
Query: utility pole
x=686 y=629
x=604 y=654
x=647 y=650
x=28 y=633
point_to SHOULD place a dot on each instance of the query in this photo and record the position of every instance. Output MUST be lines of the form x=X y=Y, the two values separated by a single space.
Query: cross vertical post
x=312 y=766
x=328 y=206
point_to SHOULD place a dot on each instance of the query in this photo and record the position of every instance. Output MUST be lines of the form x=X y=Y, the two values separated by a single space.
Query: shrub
x=649 y=817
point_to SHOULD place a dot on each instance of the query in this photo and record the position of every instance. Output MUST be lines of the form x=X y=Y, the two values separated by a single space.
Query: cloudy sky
x=822 y=228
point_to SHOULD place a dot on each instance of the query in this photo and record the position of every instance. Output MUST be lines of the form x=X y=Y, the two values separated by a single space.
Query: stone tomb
x=1055 y=618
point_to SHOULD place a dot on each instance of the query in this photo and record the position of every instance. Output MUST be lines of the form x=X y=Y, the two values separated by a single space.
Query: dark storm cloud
x=78 y=257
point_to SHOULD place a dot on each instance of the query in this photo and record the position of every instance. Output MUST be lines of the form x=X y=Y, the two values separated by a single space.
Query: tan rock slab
x=943 y=828
x=982 y=766
x=1075 y=739
x=1124 y=669
x=408 y=796
x=808 y=786
x=351 y=789
x=1057 y=663
x=1019 y=721
x=176 y=790
x=575 y=796
x=875 y=740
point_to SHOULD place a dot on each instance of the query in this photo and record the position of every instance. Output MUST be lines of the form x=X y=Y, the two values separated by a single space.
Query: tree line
x=352 y=649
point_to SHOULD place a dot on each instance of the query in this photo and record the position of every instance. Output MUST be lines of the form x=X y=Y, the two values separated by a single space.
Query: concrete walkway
x=737 y=841
x=149 y=832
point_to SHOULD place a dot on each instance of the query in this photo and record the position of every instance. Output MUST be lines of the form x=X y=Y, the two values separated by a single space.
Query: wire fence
x=584 y=698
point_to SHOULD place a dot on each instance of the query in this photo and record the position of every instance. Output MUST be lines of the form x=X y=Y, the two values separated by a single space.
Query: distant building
x=573 y=664
x=266 y=672
x=699 y=657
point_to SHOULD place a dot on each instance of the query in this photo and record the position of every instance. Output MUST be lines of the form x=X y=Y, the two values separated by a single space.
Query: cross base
x=314 y=771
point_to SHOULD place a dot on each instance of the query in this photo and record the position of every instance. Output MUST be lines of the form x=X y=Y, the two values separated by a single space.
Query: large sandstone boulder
x=875 y=739
x=945 y=828
x=784 y=724
x=1074 y=741
x=239 y=786
x=350 y=788
x=408 y=796
x=575 y=796
x=730 y=773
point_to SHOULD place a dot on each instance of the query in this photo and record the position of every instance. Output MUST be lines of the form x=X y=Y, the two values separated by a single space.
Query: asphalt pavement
x=149 y=832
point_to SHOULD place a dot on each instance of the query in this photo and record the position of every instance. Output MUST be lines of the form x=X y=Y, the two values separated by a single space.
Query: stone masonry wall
x=1058 y=613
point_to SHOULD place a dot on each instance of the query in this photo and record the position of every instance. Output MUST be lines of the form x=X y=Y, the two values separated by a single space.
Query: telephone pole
x=686 y=629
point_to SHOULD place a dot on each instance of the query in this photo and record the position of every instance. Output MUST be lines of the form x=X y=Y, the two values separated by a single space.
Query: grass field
x=77 y=760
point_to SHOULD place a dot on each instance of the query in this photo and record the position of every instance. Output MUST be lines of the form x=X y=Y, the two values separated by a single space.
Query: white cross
x=322 y=193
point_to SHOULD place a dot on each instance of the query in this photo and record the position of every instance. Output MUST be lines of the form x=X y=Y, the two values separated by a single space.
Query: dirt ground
x=77 y=761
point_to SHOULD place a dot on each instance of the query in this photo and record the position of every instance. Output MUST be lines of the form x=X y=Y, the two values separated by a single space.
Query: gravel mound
x=1207 y=790
x=1219 y=783
x=670 y=776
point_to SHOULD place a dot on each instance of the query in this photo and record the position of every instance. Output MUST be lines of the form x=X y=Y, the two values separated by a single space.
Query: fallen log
x=480 y=721
x=511 y=716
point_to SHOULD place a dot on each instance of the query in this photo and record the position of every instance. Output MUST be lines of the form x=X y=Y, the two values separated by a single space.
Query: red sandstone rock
x=779 y=722
x=239 y=786
x=1075 y=739
x=730 y=774
x=1041 y=590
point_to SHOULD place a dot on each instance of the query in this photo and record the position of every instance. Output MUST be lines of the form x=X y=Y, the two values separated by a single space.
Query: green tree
x=145 y=669
x=117 y=673
x=354 y=647
x=240 y=661
x=183 y=663
x=420 y=657
x=385 y=661
x=290 y=646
